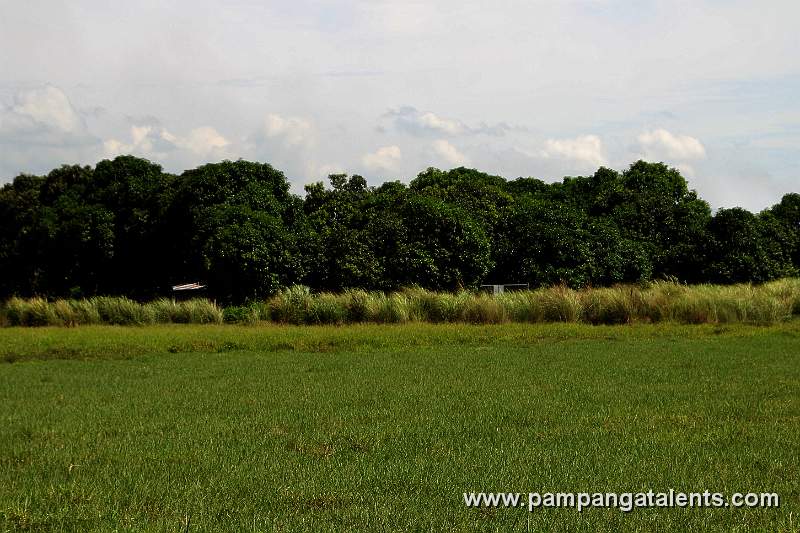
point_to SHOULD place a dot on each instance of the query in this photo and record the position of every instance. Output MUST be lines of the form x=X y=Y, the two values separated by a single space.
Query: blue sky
x=387 y=88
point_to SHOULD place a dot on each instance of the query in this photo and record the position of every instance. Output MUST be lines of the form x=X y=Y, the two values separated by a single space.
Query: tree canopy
x=126 y=227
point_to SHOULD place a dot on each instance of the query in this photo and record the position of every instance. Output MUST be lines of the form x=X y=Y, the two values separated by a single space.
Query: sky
x=386 y=88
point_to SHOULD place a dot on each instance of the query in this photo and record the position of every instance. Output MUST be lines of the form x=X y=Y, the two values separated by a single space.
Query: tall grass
x=623 y=304
x=291 y=306
x=195 y=311
x=107 y=310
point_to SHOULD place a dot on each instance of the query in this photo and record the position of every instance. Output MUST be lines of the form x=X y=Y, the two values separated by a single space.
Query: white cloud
x=48 y=106
x=342 y=64
x=294 y=131
x=449 y=153
x=157 y=143
x=585 y=149
x=205 y=141
x=434 y=122
x=143 y=141
x=40 y=129
x=385 y=158
x=42 y=116
x=661 y=144
x=409 y=119
x=287 y=142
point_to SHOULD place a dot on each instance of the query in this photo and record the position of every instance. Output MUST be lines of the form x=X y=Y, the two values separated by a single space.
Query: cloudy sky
x=386 y=88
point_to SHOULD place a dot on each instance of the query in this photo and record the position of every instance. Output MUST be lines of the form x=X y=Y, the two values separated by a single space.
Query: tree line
x=126 y=227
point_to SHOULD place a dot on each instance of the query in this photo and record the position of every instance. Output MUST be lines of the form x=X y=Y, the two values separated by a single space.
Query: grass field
x=383 y=428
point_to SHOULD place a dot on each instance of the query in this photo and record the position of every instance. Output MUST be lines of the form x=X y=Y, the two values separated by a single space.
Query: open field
x=384 y=427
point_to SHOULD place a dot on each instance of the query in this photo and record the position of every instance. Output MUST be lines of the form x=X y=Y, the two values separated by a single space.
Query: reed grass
x=291 y=306
x=200 y=311
x=661 y=301
x=325 y=308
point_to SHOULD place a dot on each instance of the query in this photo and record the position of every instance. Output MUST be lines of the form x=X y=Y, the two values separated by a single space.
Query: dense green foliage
x=127 y=228
x=383 y=428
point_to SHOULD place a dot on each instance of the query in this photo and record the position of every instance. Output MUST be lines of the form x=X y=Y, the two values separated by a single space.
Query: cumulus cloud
x=386 y=158
x=546 y=159
x=408 y=119
x=40 y=129
x=287 y=142
x=663 y=145
x=449 y=153
x=433 y=122
x=585 y=149
x=276 y=107
x=43 y=116
x=48 y=106
x=293 y=131
x=204 y=141
x=157 y=143
x=146 y=141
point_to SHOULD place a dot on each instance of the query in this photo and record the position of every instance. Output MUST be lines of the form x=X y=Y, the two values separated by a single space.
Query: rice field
x=371 y=427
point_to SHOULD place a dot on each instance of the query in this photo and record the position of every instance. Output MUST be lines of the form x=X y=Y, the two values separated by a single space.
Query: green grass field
x=383 y=428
